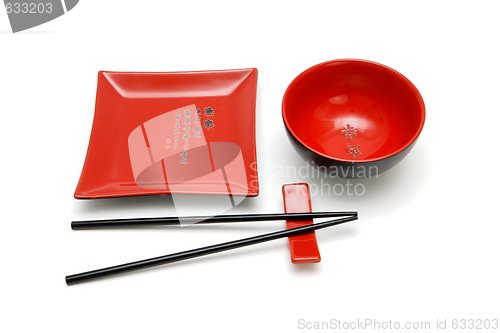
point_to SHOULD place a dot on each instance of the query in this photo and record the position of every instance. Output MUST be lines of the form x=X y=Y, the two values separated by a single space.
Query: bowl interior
x=353 y=110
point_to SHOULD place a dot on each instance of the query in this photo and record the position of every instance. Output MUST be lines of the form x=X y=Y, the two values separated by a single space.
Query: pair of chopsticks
x=194 y=253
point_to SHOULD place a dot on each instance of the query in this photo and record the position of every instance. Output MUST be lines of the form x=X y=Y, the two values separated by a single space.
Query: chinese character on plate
x=208 y=123
x=197 y=132
x=209 y=111
x=183 y=157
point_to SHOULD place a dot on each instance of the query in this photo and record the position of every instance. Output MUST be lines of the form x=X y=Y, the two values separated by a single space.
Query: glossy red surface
x=172 y=133
x=303 y=248
x=353 y=110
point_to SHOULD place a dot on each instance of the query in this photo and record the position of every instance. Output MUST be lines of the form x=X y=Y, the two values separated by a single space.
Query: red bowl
x=357 y=115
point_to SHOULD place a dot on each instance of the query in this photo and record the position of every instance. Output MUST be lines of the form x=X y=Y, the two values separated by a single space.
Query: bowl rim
x=404 y=79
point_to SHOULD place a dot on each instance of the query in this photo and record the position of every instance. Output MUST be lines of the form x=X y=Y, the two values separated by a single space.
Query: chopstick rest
x=303 y=248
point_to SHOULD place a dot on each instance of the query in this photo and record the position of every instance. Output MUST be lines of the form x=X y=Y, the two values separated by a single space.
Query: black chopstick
x=170 y=258
x=176 y=220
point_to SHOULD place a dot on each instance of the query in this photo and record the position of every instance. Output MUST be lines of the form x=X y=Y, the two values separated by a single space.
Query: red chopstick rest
x=303 y=248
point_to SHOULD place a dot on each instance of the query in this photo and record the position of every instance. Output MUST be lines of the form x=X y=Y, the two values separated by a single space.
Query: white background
x=426 y=245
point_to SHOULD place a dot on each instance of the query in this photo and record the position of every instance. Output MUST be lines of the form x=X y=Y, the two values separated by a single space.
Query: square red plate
x=172 y=133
